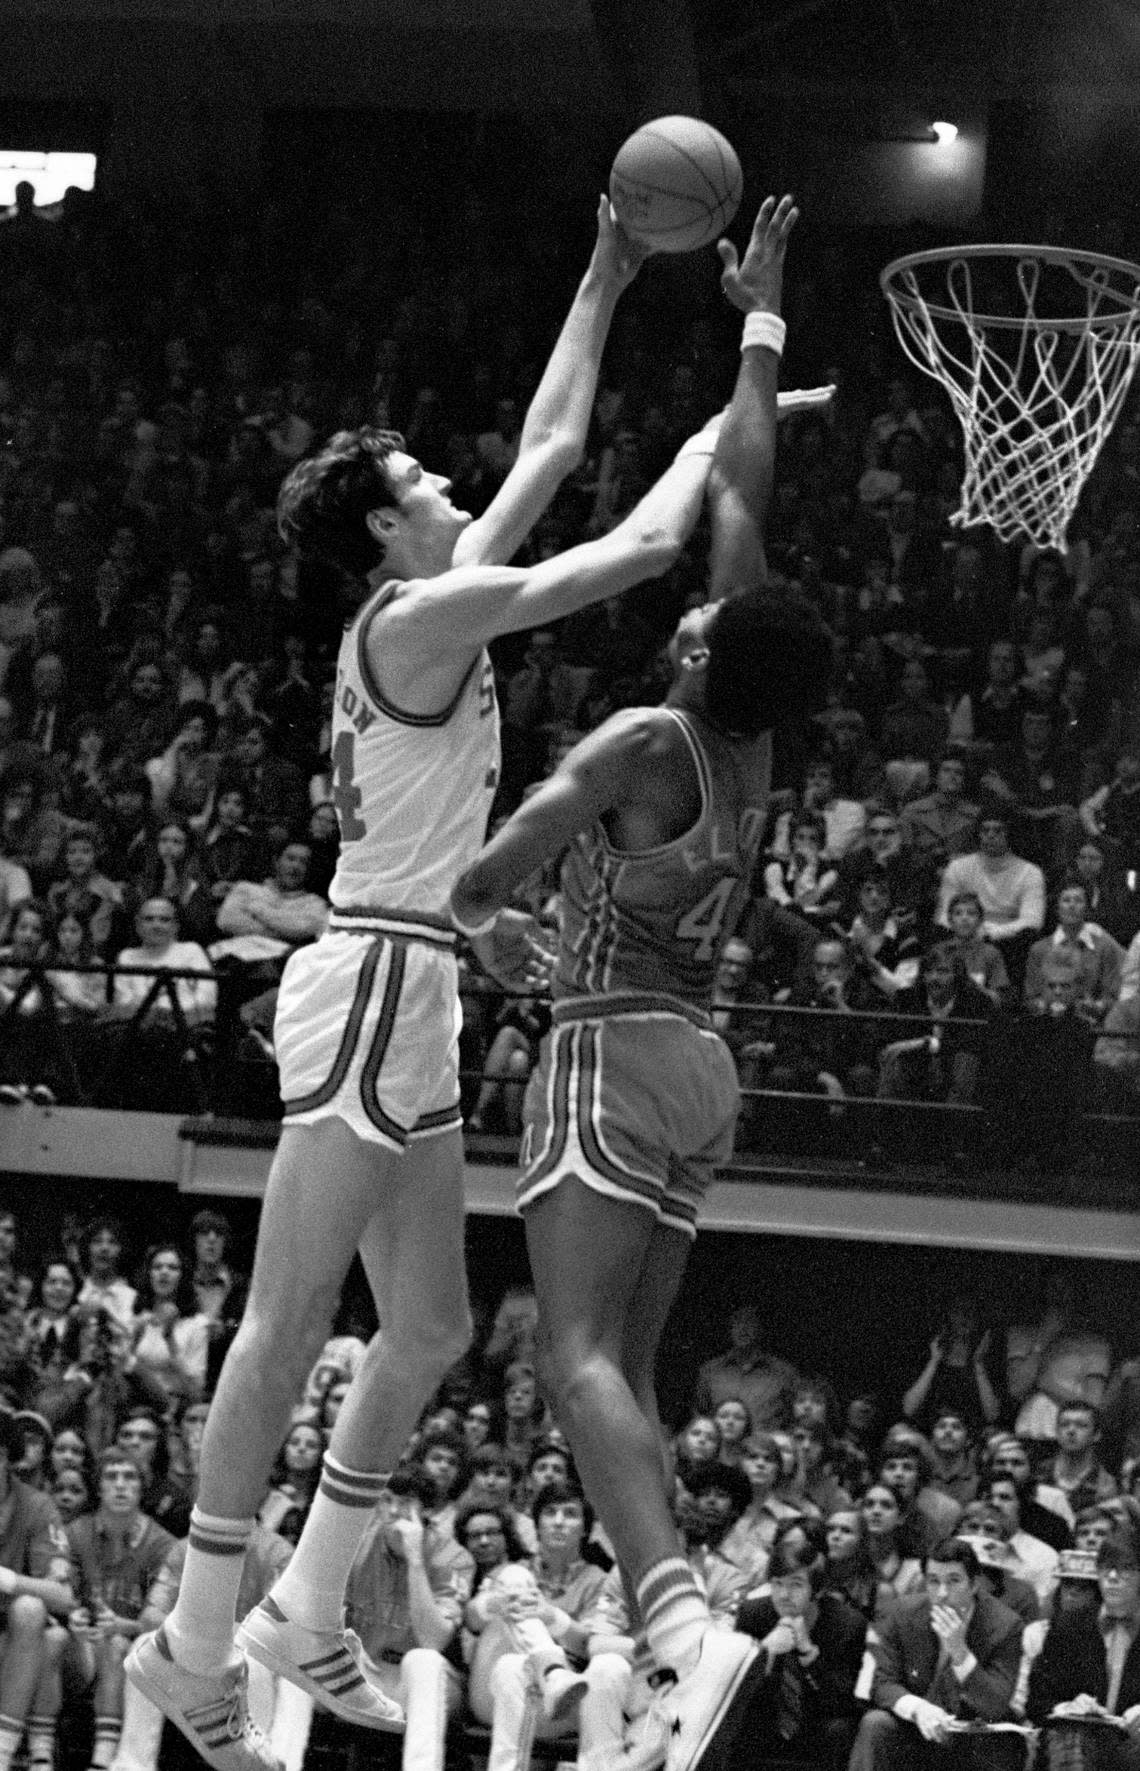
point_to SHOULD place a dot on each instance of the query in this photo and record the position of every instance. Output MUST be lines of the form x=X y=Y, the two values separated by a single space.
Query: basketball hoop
x=1036 y=347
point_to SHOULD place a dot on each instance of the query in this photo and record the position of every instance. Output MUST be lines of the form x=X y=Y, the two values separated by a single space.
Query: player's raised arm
x=452 y=615
x=554 y=431
x=743 y=466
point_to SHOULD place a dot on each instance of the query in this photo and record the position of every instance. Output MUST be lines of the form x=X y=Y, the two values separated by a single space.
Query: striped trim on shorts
x=638 y=1103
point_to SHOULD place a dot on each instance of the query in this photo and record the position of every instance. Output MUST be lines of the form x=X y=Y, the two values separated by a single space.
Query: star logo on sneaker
x=676 y=1728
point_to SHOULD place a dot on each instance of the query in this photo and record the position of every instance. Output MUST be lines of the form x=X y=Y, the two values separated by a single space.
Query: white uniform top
x=412 y=791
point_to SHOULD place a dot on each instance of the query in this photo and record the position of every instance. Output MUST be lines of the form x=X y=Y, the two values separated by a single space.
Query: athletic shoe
x=646 y=1740
x=707 y=1706
x=209 y=1709
x=328 y=1664
x=562 y=1690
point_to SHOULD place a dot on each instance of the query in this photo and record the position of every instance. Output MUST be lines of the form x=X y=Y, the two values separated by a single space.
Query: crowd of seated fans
x=996 y=1480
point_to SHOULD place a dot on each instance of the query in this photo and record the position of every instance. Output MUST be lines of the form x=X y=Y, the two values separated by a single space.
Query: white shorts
x=367 y=1029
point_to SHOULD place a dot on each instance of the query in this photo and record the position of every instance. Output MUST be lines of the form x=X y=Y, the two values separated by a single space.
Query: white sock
x=11 y=1734
x=311 y=1589
x=41 y=1740
x=674 y=1612
x=200 y=1629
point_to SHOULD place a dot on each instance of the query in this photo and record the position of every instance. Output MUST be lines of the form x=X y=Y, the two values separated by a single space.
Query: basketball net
x=1036 y=393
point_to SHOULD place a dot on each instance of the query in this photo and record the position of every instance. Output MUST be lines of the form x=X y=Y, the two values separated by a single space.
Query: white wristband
x=473 y=929
x=763 y=328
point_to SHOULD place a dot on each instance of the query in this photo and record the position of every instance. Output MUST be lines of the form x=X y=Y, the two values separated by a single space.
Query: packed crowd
x=1000 y=1481
x=957 y=838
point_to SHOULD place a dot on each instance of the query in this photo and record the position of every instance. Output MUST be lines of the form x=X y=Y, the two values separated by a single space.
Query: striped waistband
x=399 y=925
x=629 y=1003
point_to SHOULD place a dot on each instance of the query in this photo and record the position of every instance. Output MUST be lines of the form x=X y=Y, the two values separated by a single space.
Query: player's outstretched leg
x=327 y=1195
x=592 y=1257
x=412 y=1250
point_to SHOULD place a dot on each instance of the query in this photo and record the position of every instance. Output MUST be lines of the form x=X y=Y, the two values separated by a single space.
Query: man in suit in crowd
x=1089 y=1668
x=944 y=1657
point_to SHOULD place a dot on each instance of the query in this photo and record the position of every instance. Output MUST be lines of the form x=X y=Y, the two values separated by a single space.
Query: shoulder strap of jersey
x=364 y=620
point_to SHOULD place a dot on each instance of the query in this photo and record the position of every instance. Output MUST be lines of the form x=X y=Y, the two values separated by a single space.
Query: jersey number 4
x=703 y=923
x=346 y=795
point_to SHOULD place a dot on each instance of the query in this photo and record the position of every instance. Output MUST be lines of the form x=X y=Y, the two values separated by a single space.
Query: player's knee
x=27 y=1616
x=56 y=1642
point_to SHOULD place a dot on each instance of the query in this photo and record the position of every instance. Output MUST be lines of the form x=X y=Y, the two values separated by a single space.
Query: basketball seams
x=688 y=196
x=684 y=154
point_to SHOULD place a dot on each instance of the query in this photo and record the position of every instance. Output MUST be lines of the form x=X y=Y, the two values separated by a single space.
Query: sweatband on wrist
x=763 y=328
x=474 y=929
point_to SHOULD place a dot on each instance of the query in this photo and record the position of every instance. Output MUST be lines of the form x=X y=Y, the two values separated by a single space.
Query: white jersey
x=412 y=791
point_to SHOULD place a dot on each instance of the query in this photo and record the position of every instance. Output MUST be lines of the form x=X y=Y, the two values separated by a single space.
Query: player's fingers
x=764 y=215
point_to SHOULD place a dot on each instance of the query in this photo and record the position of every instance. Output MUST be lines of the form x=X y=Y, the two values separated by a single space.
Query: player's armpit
x=599 y=775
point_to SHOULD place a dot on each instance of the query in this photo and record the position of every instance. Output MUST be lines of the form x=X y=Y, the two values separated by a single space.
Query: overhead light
x=944 y=133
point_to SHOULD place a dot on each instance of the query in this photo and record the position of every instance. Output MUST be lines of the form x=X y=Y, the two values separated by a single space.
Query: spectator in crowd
x=1076 y=1471
x=1089 y=1667
x=698 y=1442
x=220 y=1292
x=735 y=1425
x=115 y=1554
x=831 y=1052
x=293 y=1483
x=813 y=1642
x=1011 y=891
x=143 y=1434
x=843 y=819
x=524 y=1678
x=276 y=787
x=1113 y=904
x=802 y=879
x=170 y=1335
x=168 y=867
x=1098 y=958
x=1038 y=781
x=896 y=1573
x=953 y=1453
x=1035 y=1557
x=83 y=890
x=1040 y=1505
x=749 y=1543
x=907 y=1468
x=943 y=823
x=883 y=942
x=104 y=1286
x=160 y=949
x=1111 y=815
x=761 y=1379
x=951 y=1652
x=986 y=721
x=406 y=1596
x=944 y=1063
x=983 y=962
x=1060 y=1357
x=35 y=1575
x=955 y=1381
x=184 y=778
x=850 y=1570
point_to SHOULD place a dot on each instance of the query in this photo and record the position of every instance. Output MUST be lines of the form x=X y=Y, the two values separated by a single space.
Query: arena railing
x=119 y=1057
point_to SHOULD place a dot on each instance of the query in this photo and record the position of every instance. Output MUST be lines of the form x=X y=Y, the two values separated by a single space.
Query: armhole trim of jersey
x=364 y=623
x=704 y=783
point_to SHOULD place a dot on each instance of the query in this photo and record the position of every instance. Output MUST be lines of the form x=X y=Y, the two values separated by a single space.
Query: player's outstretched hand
x=617 y=256
x=513 y=953
x=756 y=280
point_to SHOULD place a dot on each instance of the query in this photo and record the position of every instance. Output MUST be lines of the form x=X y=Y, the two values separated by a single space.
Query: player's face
x=424 y=497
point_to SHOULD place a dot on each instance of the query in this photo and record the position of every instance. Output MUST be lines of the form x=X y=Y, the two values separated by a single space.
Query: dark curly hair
x=769 y=663
x=323 y=504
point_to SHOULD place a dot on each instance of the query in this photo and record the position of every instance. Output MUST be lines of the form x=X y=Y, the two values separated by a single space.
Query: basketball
x=676 y=184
